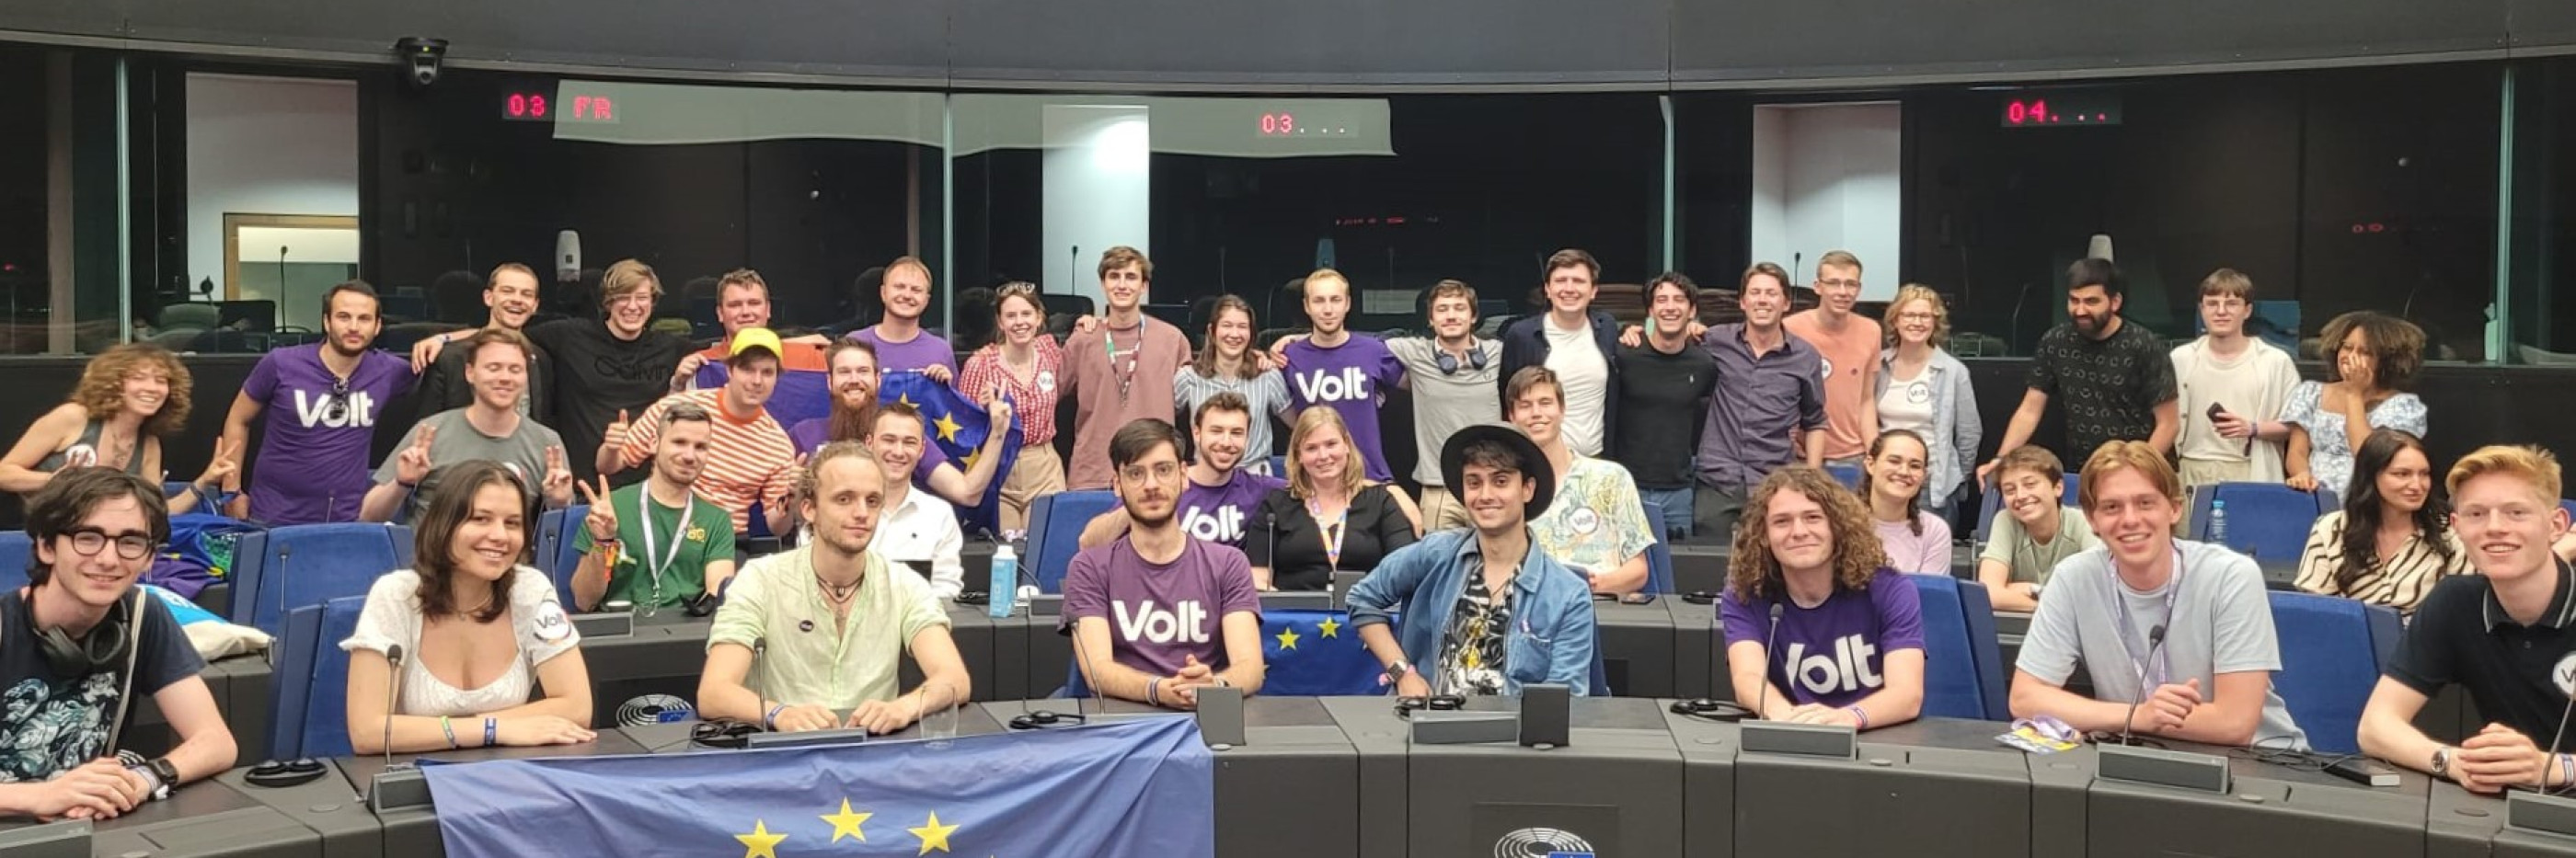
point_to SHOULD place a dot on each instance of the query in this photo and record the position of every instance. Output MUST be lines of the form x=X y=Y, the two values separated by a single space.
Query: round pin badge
x=2565 y=674
x=550 y=622
x=1584 y=520
x=1046 y=381
x=805 y=626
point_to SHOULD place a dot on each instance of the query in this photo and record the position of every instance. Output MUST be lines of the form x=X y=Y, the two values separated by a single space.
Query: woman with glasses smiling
x=1922 y=389
x=127 y=398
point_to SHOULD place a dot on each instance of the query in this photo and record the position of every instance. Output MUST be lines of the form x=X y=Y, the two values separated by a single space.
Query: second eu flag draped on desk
x=1139 y=788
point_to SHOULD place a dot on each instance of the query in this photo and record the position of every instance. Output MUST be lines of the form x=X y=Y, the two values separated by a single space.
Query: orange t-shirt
x=1851 y=362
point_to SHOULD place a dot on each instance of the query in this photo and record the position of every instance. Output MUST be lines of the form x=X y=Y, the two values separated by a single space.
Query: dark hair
x=1764 y=269
x=1521 y=382
x=449 y=504
x=1138 y=438
x=1122 y=256
x=1205 y=364
x=74 y=493
x=1224 y=400
x=2396 y=347
x=1569 y=258
x=1690 y=290
x=2361 y=506
x=358 y=287
x=2096 y=272
x=899 y=409
x=684 y=411
x=1492 y=454
x=1913 y=505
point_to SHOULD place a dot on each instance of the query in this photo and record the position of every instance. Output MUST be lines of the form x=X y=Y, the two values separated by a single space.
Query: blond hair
x=626 y=276
x=1317 y=419
x=2528 y=463
x=1837 y=259
x=1910 y=293
x=2115 y=456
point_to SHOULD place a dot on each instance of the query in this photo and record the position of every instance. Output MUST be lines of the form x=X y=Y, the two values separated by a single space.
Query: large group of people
x=765 y=481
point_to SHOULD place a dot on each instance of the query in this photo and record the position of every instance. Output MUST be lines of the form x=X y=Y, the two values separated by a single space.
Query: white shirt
x=1907 y=404
x=1585 y=376
x=923 y=530
x=393 y=616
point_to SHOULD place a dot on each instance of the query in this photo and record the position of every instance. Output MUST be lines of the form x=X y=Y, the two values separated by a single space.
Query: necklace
x=839 y=594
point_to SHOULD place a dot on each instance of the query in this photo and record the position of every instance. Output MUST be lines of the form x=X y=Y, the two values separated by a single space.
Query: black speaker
x=1546 y=719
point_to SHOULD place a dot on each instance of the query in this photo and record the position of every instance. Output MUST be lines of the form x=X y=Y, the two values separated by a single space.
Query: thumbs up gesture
x=619 y=431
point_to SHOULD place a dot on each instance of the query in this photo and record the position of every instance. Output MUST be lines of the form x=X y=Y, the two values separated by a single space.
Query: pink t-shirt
x=1928 y=553
x=1851 y=356
x=1108 y=392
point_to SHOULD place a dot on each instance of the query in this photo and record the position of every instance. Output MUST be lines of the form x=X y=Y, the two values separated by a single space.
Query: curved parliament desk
x=1337 y=776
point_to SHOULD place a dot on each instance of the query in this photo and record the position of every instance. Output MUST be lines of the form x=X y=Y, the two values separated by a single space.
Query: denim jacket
x=1551 y=636
x=1955 y=427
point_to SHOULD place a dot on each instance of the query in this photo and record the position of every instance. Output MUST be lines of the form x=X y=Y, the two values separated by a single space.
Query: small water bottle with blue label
x=2218 y=522
x=1006 y=582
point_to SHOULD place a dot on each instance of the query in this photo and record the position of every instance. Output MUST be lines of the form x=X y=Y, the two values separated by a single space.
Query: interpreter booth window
x=26 y=221
x=1246 y=195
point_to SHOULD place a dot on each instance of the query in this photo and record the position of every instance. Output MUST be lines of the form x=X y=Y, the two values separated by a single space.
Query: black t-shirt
x=49 y=723
x=2462 y=636
x=1662 y=399
x=2110 y=388
x=595 y=374
x=1295 y=552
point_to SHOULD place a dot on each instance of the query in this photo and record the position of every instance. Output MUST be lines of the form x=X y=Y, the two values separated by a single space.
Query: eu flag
x=1137 y=788
x=1315 y=653
x=958 y=425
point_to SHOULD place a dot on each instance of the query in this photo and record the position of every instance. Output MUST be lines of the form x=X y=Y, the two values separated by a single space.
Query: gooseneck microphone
x=393 y=693
x=2128 y=728
x=1768 y=656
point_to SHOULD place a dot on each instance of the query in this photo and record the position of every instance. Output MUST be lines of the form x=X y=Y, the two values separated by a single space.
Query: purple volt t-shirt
x=1221 y=513
x=812 y=433
x=1352 y=378
x=925 y=350
x=312 y=465
x=1158 y=613
x=1839 y=648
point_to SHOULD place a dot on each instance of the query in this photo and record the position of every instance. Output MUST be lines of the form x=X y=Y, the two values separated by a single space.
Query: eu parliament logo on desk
x=1142 y=787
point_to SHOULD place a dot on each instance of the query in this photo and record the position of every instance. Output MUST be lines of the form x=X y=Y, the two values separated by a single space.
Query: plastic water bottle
x=2218 y=522
x=1006 y=582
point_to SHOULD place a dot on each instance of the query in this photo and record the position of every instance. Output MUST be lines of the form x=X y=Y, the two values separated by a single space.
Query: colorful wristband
x=771 y=720
x=491 y=732
x=1859 y=714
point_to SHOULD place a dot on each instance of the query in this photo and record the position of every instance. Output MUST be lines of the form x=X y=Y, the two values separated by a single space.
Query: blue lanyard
x=2154 y=671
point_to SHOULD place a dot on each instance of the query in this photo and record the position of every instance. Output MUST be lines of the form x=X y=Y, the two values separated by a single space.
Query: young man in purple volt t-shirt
x=1335 y=367
x=323 y=401
x=1813 y=587
x=901 y=343
x=1218 y=500
x=1156 y=615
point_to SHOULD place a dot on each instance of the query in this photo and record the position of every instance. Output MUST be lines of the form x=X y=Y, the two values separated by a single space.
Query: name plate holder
x=2178 y=769
x=1464 y=727
x=69 y=838
x=605 y=624
x=1801 y=740
x=1220 y=717
x=809 y=738
x=1046 y=605
x=1343 y=581
x=1313 y=600
x=396 y=789
x=2547 y=814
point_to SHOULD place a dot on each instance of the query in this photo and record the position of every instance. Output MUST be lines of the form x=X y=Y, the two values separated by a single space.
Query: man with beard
x=916 y=529
x=313 y=457
x=853 y=418
x=674 y=551
x=1158 y=615
x=820 y=630
x=512 y=295
x=1218 y=501
x=2118 y=378
x=901 y=343
x=489 y=429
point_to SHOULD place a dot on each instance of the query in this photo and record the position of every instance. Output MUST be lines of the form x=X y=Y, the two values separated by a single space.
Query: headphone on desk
x=1712 y=709
x=1406 y=706
x=1044 y=719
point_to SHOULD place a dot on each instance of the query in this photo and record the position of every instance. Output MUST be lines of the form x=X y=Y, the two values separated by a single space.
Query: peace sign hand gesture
x=413 y=464
x=558 y=482
x=603 y=515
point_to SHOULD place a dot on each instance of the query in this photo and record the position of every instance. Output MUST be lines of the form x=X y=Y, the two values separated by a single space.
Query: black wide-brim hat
x=1534 y=464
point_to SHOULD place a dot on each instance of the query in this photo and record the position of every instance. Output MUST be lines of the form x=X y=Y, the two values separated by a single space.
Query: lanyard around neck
x=2152 y=664
x=679 y=534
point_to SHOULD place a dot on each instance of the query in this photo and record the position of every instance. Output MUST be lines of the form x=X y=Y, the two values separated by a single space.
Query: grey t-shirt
x=2221 y=623
x=1444 y=403
x=522 y=451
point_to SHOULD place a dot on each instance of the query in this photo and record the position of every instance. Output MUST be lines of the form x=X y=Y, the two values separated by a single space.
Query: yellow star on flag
x=760 y=842
x=847 y=823
x=905 y=399
x=1332 y=628
x=947 y=428
x=933 y=835
x=972 y=455
x=1288 y=638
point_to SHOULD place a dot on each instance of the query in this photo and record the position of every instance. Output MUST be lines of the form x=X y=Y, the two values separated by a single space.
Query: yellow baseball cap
x=756 y=338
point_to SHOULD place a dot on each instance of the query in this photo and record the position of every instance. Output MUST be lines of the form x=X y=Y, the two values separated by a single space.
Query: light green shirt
x=2030 y=560
x=1596 y=521
x=776 y=600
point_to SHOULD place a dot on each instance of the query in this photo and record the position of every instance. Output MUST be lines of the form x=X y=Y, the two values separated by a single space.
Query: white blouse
x=393 y=616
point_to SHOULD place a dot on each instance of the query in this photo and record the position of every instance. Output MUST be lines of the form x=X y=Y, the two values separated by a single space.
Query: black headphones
x=1043 y=719
x=1448 y=363
x=1406 y=706
x=722 y=733
x=104 y=649
x=1710 y=709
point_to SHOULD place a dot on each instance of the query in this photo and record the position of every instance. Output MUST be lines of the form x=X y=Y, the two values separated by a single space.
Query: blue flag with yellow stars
x=958 y=425
x=1136 y=788
x=1312 y=653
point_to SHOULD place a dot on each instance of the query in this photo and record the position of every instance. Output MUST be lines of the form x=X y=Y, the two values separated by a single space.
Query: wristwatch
x=1396 y=670
x=161 y=776
x=2442 y=761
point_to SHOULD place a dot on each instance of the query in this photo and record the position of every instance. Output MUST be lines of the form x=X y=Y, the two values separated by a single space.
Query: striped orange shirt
x=747 y=460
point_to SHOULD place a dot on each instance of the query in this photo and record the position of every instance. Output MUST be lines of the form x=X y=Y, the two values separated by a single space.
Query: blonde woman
x=1330 y=517
x=1924 y=390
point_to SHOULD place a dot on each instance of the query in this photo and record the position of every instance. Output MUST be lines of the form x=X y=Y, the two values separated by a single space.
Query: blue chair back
x=1848 y=475
x=279 y=570
x=1659 y=556
x=17 y=554
x=308 y=702
x=2331 y=652
x=556 y=553
x=1055 y=532
x=1992 y=501
x=1962 y=658
x=2268 y=521
x=1600 y=668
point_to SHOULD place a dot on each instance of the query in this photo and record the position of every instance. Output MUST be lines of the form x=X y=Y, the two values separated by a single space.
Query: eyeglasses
x=1918 y=316
x=89 y=541
x=1161 y=471
x=1839 y=284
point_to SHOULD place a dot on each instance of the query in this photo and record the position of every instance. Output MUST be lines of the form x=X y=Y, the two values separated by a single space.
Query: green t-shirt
x=708 y=537
x=2032 y=561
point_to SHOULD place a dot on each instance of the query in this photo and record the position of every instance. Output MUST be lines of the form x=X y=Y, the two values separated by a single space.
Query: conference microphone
x=393 y=693
x=1090 y=680
x=2155 y=641
x=1767 y=657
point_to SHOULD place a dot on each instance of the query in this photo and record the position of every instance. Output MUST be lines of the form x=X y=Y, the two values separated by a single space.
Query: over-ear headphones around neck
x=104 y=649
